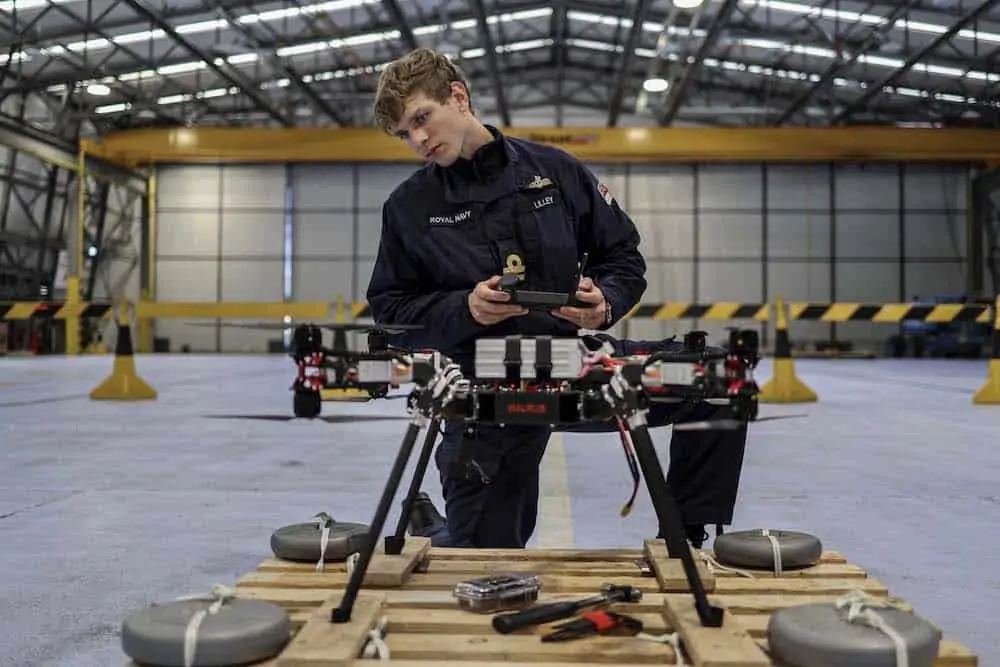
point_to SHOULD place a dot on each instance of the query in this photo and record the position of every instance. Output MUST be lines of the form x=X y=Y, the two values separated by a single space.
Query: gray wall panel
x=187 y=234
x=737 y=236
x=730 y=187
x=935 y=187
x=220 y=237
x=798 y=236
x=666 y=235
x=660 y=188
x=871 y=187
x=189 y=186
x=378 y=181
x=709 y=233
x=323 y=187
x=253 y=234
x=867 y=235
x=322 y=280
x=322 y=235
x=798 y=187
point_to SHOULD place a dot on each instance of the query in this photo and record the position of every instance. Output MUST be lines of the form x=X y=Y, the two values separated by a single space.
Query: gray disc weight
x=753 y=550
x=300 y=542
x=819 y=635
x=242 y=632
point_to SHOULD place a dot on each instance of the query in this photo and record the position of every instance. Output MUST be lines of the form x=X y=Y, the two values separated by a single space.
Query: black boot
x=423 y=514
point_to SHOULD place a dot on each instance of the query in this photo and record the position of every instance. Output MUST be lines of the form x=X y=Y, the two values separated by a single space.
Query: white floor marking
x=555 y=515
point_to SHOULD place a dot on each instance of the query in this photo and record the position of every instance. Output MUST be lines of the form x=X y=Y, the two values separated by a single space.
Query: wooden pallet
x=425 y=627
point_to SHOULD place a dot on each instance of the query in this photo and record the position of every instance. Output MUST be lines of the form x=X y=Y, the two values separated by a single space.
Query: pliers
x=593 y=622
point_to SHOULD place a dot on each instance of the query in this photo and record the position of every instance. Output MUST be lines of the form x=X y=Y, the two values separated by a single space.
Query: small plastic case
x=497 y=592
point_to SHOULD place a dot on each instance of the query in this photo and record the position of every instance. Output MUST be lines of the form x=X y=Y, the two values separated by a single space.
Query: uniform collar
x=488 y=175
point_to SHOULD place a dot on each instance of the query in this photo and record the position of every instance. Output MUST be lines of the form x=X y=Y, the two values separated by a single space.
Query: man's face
x=434 y=131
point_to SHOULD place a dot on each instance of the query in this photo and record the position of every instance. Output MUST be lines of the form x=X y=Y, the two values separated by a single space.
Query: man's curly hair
x=422 y=70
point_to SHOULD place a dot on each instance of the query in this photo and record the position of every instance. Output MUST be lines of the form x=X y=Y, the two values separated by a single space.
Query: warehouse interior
x=173 y=170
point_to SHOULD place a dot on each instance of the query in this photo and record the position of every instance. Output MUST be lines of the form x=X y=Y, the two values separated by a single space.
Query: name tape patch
x=444 y=220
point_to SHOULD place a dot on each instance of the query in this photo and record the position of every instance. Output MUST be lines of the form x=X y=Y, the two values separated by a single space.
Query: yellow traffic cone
x=123 y=384
x=989 y=393
x=784 y=385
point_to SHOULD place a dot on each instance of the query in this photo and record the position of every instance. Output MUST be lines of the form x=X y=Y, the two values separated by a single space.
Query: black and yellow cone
x=989 y=393
x=784 y=385
x=123 y=384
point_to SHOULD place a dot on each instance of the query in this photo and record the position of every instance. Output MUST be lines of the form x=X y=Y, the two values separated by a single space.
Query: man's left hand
x=586 y=317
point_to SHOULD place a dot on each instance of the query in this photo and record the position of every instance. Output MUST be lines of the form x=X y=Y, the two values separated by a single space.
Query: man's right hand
x=488 y=304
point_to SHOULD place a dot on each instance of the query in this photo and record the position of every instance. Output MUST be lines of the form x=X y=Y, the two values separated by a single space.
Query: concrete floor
x=108 y=507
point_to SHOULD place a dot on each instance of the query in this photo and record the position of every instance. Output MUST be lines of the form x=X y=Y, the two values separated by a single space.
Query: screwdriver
x=555 y=611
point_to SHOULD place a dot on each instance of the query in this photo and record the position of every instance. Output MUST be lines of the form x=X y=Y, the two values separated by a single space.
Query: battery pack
x=518 y=358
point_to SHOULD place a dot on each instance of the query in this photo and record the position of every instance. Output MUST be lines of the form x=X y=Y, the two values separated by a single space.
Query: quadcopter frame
x=603 y=389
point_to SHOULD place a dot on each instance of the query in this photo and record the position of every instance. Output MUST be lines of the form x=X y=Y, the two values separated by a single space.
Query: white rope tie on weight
x=716 y=566
x=376 y=647
x=672 y=638
x=324 y=521
x=859 y=610
x=775 y=549
x=219 y=596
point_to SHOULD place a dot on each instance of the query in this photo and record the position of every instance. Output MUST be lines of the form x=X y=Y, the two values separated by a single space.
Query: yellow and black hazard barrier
x=796 y=311
x=668 y=310
x=52 y=310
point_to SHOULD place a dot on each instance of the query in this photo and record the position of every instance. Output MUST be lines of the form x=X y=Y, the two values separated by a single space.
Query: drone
x=572 y=381
x=338 y=372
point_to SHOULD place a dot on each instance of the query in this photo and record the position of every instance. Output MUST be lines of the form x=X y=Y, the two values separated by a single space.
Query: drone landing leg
x=394 y=543
x=669 y=518
x=342 y=613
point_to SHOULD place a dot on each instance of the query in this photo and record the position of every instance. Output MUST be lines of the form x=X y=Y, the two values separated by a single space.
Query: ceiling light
x=98 y=89
x=687 y=4
x=655 y=85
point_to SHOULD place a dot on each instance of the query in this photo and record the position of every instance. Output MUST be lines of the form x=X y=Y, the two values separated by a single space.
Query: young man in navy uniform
x=483 y=206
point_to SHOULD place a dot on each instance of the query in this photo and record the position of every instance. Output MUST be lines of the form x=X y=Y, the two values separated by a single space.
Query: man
x=483 y=206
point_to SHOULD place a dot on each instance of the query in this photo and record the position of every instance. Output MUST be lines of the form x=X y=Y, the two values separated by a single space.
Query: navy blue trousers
x=491 y=495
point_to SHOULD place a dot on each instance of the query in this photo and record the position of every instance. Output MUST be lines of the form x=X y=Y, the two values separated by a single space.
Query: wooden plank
x=496 y=648
x=442 y=599
x=584 y=585
x=384 y=571
x=426 y=627
x=322 y=643
x=669 y=572
x=727 y=646
x=480 y=567
x=536 y=555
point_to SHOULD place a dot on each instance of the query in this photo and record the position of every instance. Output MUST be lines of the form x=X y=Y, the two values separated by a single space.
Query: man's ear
x=460 y=94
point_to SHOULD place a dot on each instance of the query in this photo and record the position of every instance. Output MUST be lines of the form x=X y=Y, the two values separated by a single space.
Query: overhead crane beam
x=620 y=144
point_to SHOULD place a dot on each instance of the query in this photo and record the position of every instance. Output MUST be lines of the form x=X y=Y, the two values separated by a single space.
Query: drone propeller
x=725 y=424
x=329 y=419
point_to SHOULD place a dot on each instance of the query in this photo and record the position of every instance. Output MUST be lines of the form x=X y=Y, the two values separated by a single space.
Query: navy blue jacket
x=517 y=205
